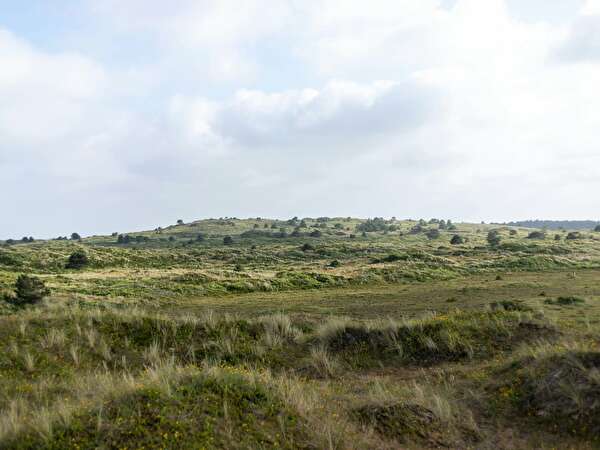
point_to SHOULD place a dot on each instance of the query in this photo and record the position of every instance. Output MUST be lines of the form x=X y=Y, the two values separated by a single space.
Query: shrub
x=307 y=247
x=574 y=235
x=227 y=240
x=315 y=234
x=537 y=235
x=375 y=224
x=564 y=301
x=416 y=229
x=123 y=239
x=557 y=237
x=334 y=263
x=457 y=240
x=75 y=236
x=29 y=290
x=493 y=238
x=77 y=260
x=179 y=222
x=200 y=237
x=433 y=234
x=597 y=228
x=513 y=232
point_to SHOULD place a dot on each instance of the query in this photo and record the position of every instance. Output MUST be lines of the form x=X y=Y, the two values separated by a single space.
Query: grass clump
x=509 y=305
x=212 y=408
x=557 y=385
x=403 y=422
x=439 y=338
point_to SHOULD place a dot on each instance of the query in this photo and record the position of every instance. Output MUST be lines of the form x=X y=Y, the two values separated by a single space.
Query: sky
x=120 y=115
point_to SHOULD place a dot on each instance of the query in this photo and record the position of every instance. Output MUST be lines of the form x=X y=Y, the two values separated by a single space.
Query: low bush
x=565 y=301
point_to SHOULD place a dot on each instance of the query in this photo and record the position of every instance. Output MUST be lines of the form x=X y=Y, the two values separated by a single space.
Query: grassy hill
x=314 y=333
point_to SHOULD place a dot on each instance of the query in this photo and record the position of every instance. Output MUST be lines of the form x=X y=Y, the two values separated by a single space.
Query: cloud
x=583 y=41
x=339 y=114
x=43 y=96
x=328 y=107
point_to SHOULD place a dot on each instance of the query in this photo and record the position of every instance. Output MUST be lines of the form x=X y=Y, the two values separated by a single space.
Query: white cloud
x=266 y=108
x=591 y=7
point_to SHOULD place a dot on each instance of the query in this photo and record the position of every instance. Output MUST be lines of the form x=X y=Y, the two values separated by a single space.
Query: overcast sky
x=117 y=115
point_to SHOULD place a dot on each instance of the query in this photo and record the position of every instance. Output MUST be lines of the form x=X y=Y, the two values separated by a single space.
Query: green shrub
x=77 y=260
x=536 y=235
x=493 y=238
x=433 y=234
x=565 y=301
x=457 y=240
x=29 y=290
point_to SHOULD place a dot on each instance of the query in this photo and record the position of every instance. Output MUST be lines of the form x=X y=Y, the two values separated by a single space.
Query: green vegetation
x=28 y=291
x=301 y=333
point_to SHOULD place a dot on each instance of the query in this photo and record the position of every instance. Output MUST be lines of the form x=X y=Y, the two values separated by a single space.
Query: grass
x=404 y=342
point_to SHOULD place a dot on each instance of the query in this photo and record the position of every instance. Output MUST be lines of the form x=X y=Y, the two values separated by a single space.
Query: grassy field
x=318 y=333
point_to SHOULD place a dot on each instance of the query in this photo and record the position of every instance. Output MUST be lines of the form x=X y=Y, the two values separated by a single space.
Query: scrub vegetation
x=303 y=333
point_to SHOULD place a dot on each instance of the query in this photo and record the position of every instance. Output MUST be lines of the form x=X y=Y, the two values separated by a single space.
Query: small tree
x=513 y=232
x=77 y=260
x=493 y=238
x=315 y=234
x=457 y=240
x=179 y=222
x=597 y=229
x=75 y=236
x=227 y=240
x=29 y=290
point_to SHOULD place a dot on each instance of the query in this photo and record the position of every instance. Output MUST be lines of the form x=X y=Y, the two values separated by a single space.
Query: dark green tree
x=29 y=290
